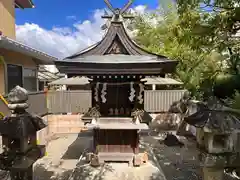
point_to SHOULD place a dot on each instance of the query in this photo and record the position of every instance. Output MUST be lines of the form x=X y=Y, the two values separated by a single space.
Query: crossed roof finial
x=117 y=12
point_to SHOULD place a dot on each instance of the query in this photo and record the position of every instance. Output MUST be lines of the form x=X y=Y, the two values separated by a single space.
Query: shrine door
x=118 y=103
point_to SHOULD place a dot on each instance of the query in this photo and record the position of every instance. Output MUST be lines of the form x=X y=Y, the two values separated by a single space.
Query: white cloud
x=64 y=41
x=140 y=9
x=71 y=18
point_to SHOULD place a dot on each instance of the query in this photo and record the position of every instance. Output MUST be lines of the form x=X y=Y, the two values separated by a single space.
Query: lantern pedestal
x=19 y=132
x=212 y=173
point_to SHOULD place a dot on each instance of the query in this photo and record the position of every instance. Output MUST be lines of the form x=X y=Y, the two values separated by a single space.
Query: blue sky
x=49 y=13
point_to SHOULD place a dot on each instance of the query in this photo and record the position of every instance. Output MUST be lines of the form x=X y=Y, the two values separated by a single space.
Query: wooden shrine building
x=116 y=66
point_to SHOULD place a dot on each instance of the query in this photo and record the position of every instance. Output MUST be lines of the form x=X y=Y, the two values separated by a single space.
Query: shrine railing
x=160 y=100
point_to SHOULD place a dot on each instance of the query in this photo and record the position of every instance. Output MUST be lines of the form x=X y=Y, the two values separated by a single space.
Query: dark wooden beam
x=82 y=71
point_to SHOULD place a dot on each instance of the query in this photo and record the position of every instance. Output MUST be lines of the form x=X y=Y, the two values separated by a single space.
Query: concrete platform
x=117 y=171
x=62 y=163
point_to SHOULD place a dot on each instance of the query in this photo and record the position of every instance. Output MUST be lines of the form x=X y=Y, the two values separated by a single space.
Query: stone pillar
x=211 y=173
x=212 y=165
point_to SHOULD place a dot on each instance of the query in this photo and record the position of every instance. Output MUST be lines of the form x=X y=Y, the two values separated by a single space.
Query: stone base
x=115 y=157
x=94 y=160
x=88 y=157
x=133 y=160
x=212 y=173
x=137 y=160
x=145 y=157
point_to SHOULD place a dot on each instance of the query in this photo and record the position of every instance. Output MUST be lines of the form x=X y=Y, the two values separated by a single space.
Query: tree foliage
x=202 y=41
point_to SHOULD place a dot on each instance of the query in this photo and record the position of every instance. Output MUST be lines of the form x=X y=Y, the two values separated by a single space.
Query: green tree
x=220 y=26
x=201 y=41
x=164 y=33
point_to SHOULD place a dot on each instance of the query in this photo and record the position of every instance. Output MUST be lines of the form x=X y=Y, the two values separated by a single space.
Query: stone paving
x=64 y=152
x=165 y=163
x=116 y=171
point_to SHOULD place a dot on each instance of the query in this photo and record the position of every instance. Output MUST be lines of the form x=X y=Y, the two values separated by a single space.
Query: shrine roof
x=116 y=53
x=115 y=38
x=118 y=58
x=116 y=64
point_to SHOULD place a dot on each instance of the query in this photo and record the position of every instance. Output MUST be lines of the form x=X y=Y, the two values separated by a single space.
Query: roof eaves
x=30 y=1
x=82 y=51
x=11 y=44
x=19 y=5
x=161 y=81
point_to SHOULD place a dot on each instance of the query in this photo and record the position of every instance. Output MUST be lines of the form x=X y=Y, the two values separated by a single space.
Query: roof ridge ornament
x=118 y=13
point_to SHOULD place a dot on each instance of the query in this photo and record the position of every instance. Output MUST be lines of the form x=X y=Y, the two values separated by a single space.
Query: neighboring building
x=18 y=62
x=45 y=77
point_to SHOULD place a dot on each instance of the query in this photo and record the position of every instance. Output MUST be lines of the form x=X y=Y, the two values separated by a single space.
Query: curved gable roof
x=115 y=54
x=116 y=32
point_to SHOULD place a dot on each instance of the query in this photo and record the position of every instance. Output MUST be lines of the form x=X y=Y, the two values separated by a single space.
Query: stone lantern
x=217 y=137
x=19 y=132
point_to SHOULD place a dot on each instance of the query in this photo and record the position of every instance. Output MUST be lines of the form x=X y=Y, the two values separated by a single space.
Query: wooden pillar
x=137 y=142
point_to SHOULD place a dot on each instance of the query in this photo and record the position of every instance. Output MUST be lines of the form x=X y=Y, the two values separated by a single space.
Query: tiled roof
x=13 y=45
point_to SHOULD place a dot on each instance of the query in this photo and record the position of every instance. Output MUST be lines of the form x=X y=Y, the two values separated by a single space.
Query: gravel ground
x=177 y=163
